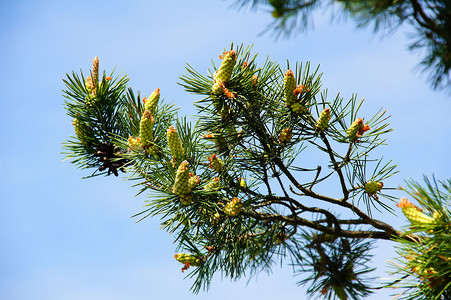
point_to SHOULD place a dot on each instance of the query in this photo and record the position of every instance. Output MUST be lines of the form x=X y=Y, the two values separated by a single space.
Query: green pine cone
x=151 y=103
x=356 y=130
x=218 y=87
x=175 y=146
x=372 y=187
x=298 y=108
x=233 y=208
x=289 y=85
x=134 y=144
x=193 y=180
x=181 y=186
x=146 y=128
x=414 y=214
x=215 y=163
x=191 y=259
x=285 y=136
x=323 y=120
x=213 y=184
x=225 y=70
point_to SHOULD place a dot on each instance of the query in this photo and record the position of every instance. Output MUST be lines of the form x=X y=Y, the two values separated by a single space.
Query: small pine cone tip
x=372 y=187
x=413 y=213
x=285 y=136
x=323 y=120
x=134 y=144
x=174 y=144
x=152 y=102
x=356 y=130
x=226 y=68
x=95 y=70
x=233 y=208
x=289 y=86
x=215 y=163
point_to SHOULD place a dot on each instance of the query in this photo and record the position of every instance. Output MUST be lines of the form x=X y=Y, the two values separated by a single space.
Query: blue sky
x=67 y=238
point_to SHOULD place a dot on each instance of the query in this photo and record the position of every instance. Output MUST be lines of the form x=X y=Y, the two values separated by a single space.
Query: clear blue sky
x=67 y=238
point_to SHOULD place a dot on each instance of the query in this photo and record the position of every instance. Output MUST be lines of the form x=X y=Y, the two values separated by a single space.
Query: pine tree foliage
x=424 y=266
x=431 y=20
x=270 y=170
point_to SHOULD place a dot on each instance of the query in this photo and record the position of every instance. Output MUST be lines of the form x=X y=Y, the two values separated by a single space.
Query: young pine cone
x=175 y=146
x=372 y=187
x=225 y=70
x=413 y=213
x=289 y=85
x=356 y=130
x=181 y=183
x=233 y=208
x=323 y=120
x=151 y=103
x=146 y=128
x=215 y=163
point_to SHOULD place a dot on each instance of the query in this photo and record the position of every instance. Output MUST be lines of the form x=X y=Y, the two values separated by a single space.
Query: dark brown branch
x=318 y=171
x=337 y=168
x=297 y=221
x=425 y=21
x=367 y=219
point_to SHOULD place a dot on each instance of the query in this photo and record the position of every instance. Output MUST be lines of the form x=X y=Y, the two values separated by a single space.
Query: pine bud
x=175 y=146
x=243 y=183
x=298 y=108
x=215 y=163
x=413 y=213
x=356 y=130
x=298 y=90
x=225 y=70
x=193 y=180
x=80 y=130
x=372 y=187
x=323 y=120
x=89 y=84
x=254 y=79
x=233 y=208
x=95 y=71
x=134 y=144
x=91 y=89
x=289 y=85
x=181 y=186
x=219 y=88
x=152 y=102
x=191 y=259
x=146 y=128
x=285 y=136
x=437 y=216
x=213 y=184
x=425 y=273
